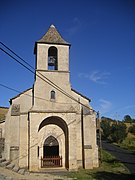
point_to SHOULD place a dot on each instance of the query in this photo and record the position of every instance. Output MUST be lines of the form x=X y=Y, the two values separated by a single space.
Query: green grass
x=110 y=169
x=129 y=144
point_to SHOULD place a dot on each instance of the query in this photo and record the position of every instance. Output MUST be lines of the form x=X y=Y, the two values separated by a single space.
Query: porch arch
x=62 y=124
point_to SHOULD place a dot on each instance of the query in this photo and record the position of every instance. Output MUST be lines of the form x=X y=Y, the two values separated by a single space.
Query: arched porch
x=52 y=146
x=51 y=156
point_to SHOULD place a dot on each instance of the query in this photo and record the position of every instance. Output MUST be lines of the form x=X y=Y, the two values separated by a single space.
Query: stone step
x=10 y=166
x=27 y=172
x=2 y=160
x=21 y=171
x=5 y=163
x=16 y=168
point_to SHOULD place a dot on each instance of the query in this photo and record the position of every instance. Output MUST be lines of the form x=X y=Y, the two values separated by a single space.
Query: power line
x=12 y=89
x=41 y=76
x=16 y=59
x=9 y=88
x=16 y=55
x=52 y=83
x=57 y=87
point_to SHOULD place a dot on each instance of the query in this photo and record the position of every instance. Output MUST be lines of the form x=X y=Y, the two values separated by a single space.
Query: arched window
x=52 y=95
x=51 y=141
x=52 y=58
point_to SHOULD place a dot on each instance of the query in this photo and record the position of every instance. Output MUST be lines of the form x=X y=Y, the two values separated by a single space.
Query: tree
x=106 y=126
x=118 y=132
x=131 y=129
x=127 y=119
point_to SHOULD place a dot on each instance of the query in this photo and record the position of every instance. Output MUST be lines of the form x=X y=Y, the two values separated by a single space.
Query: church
x=51 y=125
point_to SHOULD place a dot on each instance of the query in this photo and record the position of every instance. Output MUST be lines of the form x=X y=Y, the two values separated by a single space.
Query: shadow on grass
x=112 y=161
x=111 y=176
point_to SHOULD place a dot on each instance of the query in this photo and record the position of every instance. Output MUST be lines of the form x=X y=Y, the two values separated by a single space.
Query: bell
x=51 y=61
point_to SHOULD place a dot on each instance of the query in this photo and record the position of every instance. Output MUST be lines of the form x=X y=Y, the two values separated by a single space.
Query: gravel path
x=6 y=174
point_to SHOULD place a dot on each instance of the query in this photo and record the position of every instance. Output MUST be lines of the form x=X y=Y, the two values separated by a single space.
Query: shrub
x=131 y=129
x=118 y=132
x=105 y=125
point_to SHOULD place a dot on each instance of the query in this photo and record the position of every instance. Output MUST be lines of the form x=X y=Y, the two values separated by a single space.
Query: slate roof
x=52 y=36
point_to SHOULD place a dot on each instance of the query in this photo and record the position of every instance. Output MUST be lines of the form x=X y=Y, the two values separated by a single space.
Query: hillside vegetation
x=3 y=112
x=122 y=133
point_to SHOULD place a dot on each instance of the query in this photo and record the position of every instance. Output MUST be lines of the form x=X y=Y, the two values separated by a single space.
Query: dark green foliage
x=118 y=132
x=132 y=129
x=106 y=126
x=127 y=119
x=114 y=131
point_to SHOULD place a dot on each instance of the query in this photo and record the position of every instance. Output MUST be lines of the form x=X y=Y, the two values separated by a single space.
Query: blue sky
x=102 y=53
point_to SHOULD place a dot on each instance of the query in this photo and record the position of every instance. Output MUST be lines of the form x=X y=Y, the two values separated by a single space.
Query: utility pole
x=99 y=137
x=82 y=132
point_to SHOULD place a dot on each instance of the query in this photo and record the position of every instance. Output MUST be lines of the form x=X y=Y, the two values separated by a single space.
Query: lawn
x=128 y=143
x=109 y=169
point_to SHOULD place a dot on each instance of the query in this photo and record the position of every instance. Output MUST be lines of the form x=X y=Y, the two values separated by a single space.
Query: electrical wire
x=12 y=89
x=16 y=55
x=33 y=71
x=38 y=74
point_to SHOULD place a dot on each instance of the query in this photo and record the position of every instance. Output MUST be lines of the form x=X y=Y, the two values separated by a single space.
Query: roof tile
x=53 y=36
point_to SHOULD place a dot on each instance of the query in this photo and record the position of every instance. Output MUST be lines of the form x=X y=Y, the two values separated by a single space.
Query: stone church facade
x=51 y=124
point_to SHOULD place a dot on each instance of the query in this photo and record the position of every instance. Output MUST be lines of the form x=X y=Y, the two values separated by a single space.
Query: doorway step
x=11 y=166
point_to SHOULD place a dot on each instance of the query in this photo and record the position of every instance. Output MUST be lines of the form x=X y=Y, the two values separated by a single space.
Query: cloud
x=96 y=76
x=104 y=106
x=119 y=113
x=76 y=24
x=126 y=108
x=129 y=107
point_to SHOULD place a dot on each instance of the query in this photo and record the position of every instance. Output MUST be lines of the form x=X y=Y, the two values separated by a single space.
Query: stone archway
x=55 y=120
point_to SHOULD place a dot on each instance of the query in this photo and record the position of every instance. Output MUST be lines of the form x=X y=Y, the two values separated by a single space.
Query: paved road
x=126 y=157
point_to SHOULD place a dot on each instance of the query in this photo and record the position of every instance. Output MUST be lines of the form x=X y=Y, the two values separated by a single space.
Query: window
x=38 y=151
x=52 y=58
x=52 y=95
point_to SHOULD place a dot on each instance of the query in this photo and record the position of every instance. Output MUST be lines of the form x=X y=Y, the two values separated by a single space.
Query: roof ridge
x=20 y=94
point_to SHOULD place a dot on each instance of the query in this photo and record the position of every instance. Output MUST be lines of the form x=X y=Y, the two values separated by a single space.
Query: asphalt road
x=124 y=156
